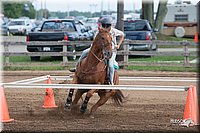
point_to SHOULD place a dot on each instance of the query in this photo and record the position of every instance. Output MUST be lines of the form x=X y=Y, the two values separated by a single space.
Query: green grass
x=163 y=68
x=172 y=38
x=34 y=68
x=160 y=58
x=15 y=59
x=25 y=59
x=155 y=59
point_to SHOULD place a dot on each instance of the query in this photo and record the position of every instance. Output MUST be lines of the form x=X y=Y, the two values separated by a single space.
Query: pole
x=101 y=7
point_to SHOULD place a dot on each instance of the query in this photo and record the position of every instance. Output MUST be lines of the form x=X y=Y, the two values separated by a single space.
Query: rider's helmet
x=106 y=22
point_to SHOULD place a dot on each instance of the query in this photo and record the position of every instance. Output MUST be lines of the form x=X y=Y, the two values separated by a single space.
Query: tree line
x=19 y=9
x=26 y=9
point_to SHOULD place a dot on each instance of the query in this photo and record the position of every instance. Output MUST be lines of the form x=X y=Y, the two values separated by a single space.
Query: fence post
x=126 y=53
x=186 y=53
x=65 y=59
x=7 y=59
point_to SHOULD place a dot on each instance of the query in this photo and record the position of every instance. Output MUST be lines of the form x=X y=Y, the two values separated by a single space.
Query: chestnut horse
x=93 y=70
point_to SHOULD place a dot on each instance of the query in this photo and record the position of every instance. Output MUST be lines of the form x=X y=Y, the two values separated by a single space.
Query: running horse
x=93 y=70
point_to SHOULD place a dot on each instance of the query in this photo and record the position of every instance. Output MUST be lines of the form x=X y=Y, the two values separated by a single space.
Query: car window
x=80 y=27
x=68 y=26
x=135 y=26
x=16 y=23
x=63 y=26
x=1 y=21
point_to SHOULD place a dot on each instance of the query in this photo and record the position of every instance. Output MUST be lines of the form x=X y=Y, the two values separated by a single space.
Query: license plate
x=46 y=48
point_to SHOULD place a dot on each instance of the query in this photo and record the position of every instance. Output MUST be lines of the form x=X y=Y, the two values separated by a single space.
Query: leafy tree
x=16 y=9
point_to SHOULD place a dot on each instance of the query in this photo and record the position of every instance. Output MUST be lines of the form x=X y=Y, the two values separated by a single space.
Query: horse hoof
x=91 y=116
x=82 y=110
x=67 y=106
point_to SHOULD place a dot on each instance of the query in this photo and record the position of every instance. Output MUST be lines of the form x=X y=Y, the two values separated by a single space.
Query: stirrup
x=72 y=69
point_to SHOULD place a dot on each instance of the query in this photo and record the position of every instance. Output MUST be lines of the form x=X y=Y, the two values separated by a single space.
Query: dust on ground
x=142 y=111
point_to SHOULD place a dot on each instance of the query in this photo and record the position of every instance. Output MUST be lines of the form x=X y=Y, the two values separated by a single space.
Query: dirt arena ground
x=143 y=111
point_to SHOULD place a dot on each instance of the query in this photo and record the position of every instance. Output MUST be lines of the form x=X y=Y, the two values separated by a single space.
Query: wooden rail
x=125 y=52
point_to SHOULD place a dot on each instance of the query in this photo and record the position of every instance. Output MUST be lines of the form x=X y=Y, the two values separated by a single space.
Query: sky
x=92 y=5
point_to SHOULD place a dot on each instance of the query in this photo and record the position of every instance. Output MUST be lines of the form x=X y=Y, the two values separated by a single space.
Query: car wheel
x=35 y=58
x=25 y=32
x=8 y=32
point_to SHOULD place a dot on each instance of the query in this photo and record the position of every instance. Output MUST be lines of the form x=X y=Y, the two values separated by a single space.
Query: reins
x=100 y=60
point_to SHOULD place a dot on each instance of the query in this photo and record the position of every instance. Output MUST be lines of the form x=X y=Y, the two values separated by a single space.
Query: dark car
x=140 y=30
x=58 y=30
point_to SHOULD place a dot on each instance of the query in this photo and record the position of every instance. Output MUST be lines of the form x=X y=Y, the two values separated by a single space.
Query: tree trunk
x=120 y=15
x=160 y=15
x=148 y=10
x=120 y=22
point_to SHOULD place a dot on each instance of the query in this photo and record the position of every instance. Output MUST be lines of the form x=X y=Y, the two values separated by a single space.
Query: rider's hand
x=117 y=46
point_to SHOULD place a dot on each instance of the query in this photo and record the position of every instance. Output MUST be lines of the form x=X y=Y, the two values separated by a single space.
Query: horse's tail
x=118 y=97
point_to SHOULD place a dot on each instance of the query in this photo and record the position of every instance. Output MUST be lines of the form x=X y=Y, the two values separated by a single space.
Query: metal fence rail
x=28 y=83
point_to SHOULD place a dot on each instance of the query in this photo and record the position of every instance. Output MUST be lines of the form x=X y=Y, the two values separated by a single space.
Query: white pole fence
x=28 y=83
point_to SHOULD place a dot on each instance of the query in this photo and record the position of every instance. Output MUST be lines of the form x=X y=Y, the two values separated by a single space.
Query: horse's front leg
x=87 y=98
x=69 y=98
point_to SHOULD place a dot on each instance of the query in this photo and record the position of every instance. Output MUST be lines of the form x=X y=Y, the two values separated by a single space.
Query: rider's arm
x=120 y=42
x=121 y=35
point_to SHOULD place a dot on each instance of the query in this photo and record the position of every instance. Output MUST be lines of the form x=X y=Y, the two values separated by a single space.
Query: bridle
x=100 y=60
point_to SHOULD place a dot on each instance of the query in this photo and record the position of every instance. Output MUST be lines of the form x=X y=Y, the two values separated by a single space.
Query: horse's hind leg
x=87 y=98
x=78 y=95
x=103 y=99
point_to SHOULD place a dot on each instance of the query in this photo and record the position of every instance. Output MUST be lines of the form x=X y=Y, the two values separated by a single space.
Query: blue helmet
x=106 y=20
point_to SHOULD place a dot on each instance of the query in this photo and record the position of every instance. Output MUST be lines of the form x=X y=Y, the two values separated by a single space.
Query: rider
x=106 y=23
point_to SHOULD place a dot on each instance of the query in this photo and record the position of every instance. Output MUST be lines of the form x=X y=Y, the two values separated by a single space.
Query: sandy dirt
x=143 y=111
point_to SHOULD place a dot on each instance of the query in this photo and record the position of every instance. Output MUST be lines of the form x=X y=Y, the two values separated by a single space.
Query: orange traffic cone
x=191 y=113
x=196 y=37
x=49 y=101
x=4 y=114
x=195 y=111
x=188 y=105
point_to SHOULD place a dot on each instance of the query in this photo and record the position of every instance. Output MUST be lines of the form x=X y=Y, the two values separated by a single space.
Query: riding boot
x=72 y=69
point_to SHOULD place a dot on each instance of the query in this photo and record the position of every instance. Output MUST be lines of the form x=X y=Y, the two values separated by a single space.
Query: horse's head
x=104 y=43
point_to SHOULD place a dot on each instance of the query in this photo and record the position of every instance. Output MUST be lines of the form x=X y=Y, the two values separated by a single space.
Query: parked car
x=20 y=26
x=140 y=30
x=58 y=30
x=4 y=29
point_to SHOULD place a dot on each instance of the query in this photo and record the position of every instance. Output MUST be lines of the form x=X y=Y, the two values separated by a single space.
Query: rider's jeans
x=111 y=66
x=83 y=55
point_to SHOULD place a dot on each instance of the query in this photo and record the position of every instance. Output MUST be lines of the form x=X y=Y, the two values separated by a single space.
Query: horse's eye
x=102 y=38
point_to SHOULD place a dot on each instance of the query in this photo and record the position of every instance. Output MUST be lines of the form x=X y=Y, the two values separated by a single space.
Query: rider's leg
x=111 y=67
x=83 y=55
